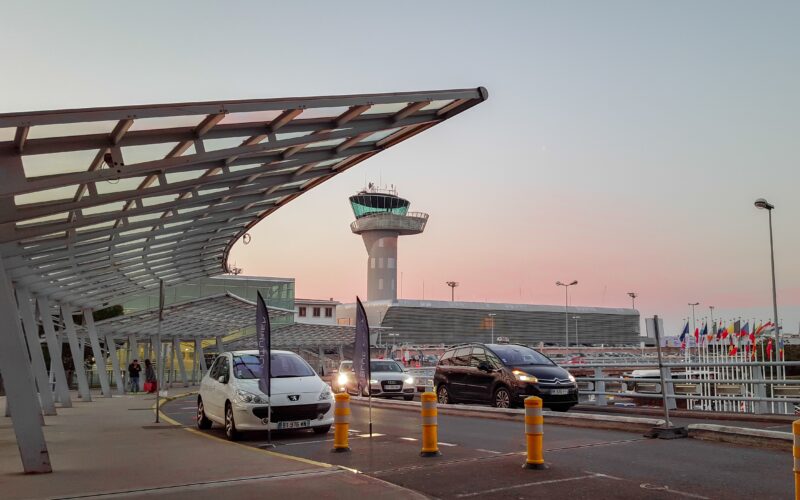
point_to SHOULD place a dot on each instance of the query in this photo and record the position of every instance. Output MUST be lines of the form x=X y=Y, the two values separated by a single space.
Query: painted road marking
x=374 y=434
x=526 y=485
x=648 y=486
x=446 y=444
x=188 y=407
x=490 y=451
x=409 y=439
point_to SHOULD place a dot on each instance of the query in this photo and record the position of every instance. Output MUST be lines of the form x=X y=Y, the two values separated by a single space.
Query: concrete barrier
x=603 y=421
x=739 y=435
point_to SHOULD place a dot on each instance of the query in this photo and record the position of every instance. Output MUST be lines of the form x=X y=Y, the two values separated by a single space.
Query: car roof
x=255 y=352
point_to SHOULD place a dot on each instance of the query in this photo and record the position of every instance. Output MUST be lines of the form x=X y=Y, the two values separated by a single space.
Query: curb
x=606 y=422
x=760 y=438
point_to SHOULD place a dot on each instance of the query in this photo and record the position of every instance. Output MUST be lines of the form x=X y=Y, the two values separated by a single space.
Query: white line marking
x=536 y=483
x=354 y=431
x=490 y=451
x=446 y=444
x=648 y=486
x=374 y=434
x=306 y=442
x=409 y=439
x=191 y=407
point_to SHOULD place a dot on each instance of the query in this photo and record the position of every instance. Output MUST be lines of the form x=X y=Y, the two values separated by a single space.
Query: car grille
x=292 y=412
x=392 y=382
x=556 y=383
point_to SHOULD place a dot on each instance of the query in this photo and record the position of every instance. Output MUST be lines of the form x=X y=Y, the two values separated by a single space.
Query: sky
x=622 y=144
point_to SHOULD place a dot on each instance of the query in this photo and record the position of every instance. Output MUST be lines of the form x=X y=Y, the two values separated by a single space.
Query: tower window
x=390 y=262
x=380 y=262
x=372 y=262
x=380 y=283
x=328 y=312
x=301 y=312
x=316 y=312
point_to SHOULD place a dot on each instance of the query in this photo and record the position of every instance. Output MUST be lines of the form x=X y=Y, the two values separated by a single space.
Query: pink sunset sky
x=622 y=145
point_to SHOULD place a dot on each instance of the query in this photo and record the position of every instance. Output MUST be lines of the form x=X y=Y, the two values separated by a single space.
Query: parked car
x=503 y=375
x=389 y=380
x=230 y=396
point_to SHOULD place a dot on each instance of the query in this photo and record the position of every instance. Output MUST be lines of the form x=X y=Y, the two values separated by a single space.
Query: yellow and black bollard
x=430 y=426
x=341 y=423
x=796 y=455
x=534 y=431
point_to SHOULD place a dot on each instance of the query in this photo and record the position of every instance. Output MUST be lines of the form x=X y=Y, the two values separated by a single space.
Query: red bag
x=150 y=387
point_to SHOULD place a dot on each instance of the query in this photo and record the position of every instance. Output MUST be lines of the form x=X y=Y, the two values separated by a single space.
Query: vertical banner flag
x=361 y=351
x=264 y=345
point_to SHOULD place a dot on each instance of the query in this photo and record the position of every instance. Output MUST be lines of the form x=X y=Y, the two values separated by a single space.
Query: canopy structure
x=105 y=202
x=101 y=204
x=205 y=317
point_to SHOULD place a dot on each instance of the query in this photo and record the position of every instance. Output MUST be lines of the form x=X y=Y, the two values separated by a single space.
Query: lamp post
x=491 y=318
x=576 y=318
x=763 y=204
x=452 y=285
x=566 y=309
x=633 y=296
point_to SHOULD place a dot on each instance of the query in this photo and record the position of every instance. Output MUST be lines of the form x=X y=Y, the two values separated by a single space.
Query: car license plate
x=392 y=387
x=559 y=392
x=296 y=424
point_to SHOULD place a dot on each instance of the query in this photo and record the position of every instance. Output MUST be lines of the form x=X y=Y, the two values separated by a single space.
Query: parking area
x=483 y=458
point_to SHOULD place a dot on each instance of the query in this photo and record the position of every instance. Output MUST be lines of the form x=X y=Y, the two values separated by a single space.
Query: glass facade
x=364 y=204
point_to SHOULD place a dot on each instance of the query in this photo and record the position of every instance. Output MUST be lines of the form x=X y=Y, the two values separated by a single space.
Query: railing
x=737 y=387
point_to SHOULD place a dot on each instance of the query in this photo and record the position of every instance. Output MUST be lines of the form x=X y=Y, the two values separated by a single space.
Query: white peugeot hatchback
x=229 y=395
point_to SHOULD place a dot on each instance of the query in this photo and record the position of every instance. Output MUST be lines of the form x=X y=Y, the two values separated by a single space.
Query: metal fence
x=737 y=387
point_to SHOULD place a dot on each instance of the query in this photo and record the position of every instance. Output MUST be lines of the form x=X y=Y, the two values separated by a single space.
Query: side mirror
x=222 y=379
x=484 y=366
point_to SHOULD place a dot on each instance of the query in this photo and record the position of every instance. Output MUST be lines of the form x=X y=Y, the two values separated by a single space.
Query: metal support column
x=99 y=359
x=62 y=391
x=176 y=347
x=321 y=356
x=600 y=386
x=77 y=355
x=26 y=411
x=112 y=353
x=35 y=348
x=220 y=346
x=198 y=348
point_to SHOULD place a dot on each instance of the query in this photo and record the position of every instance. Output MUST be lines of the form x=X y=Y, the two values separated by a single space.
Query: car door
x=218 y=389
x=458 y=372
x=478 y=383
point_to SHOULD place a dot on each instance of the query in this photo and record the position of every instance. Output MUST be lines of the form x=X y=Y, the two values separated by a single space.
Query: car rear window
x=384 y=366
x=520 y=355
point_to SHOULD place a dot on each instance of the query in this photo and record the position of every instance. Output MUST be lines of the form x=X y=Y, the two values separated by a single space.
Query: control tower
x=382 y=216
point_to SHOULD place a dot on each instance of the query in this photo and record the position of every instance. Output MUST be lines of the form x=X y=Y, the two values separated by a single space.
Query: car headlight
x=373 y=381
x=249 y=398
x=325 y=394
x=409 y=380
x=571 y=378
x=342 y=379
x=524 y=377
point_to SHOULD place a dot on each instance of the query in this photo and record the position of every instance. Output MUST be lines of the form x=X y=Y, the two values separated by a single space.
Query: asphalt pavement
x=482 y=458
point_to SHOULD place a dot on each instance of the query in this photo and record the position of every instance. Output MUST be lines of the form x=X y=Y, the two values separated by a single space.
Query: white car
x=229 y=395
x=389 y=379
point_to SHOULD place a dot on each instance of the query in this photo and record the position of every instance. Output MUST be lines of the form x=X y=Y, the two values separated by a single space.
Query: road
x=482 y=458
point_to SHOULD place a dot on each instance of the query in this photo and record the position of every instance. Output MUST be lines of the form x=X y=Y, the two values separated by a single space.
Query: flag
x=733 y=350
x=780 y=350
x=685 y=332
x=737 y=326
x=264 y=345
x=697 y=336
x=767 y=325
x=769 y=349
x=727 y=331
x=758 y=329
x=719 y=330
x=361 y=354
x=705 y=334
x=745 y=331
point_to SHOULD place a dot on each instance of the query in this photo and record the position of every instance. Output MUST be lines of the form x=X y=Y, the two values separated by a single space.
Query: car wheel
x=323 y=429
x=202 y=421
x=408 y=398
x=230 y=425
x=502 y=398
x=561 y=408
x=443 y=395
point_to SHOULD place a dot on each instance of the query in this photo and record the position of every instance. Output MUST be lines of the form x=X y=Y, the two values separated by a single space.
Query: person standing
x=150 y=377
x=133 y=375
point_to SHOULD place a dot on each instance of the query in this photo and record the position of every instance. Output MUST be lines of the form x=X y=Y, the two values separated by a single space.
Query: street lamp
x=452 y=285
x=633 y=296
x=763 y=204
x=694 y=326
x=491 y=318
x=566 y=308
x=576 y=318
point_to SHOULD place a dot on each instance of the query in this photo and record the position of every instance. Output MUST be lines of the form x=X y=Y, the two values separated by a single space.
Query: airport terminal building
x=428 y=322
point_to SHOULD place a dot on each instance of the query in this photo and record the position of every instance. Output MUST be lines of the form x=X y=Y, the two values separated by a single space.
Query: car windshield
x=384 y=366
x=248 y=366
x=519 y=355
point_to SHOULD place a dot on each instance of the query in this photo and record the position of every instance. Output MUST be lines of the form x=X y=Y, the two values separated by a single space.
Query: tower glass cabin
x=382 y=216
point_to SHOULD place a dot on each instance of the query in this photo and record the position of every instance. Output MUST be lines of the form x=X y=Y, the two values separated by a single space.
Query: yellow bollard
x=796 y=455
x=534 y=431
x=341 y=423
x=430 y=426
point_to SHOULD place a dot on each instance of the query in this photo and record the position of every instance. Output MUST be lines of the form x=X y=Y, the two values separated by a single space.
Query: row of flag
x=735 y=334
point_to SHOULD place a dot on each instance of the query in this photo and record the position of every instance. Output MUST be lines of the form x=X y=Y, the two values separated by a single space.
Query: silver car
x=388 y=379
